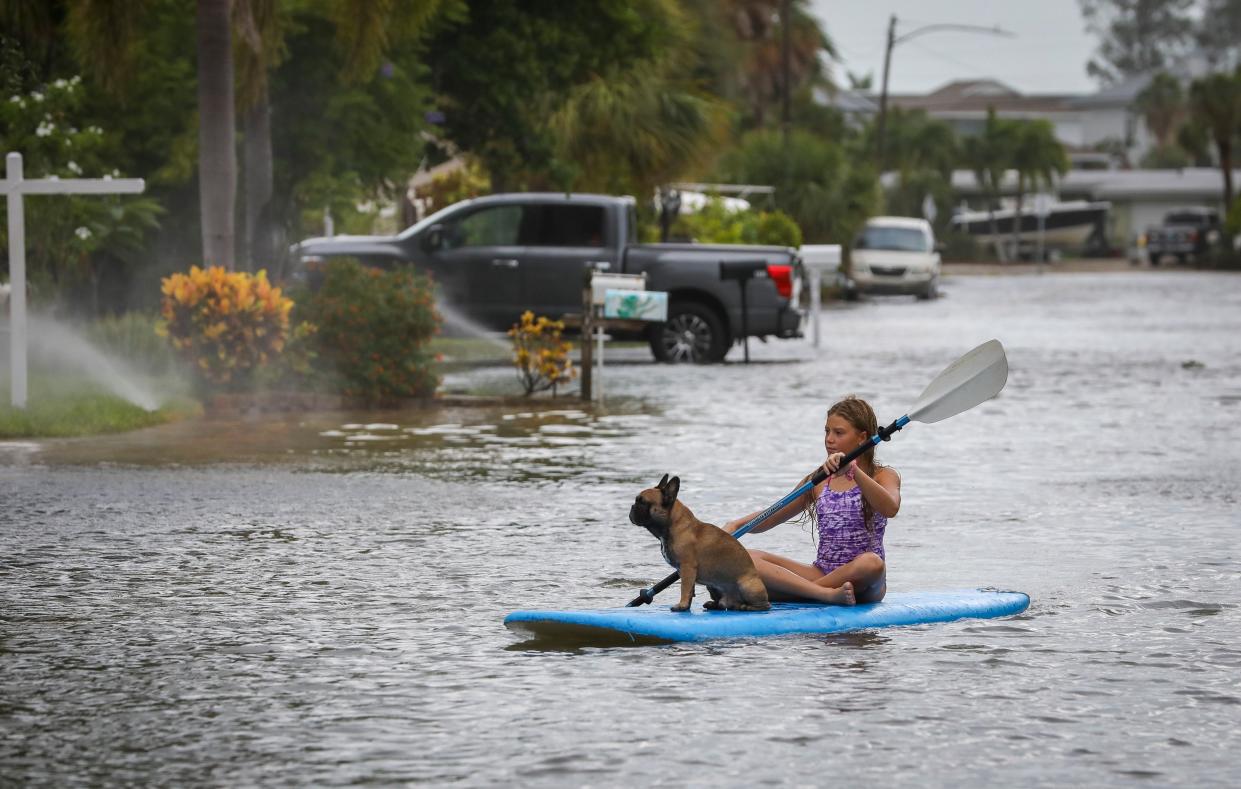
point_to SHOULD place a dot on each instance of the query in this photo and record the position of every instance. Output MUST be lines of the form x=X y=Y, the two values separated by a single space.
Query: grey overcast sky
x=1048 y=54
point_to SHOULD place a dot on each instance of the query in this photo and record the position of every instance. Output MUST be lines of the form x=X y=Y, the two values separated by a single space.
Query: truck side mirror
x=434 y=238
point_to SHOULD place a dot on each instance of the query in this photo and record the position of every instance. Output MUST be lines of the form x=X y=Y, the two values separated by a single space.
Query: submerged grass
x=58 y=407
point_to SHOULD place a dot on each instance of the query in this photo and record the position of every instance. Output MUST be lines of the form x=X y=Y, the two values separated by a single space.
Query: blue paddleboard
x=657 y=623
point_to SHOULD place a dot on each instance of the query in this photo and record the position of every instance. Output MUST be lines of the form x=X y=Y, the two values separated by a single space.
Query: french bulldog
x=703 y=553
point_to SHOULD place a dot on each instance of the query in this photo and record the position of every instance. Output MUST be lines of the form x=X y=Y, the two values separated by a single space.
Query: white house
x=1081 y=122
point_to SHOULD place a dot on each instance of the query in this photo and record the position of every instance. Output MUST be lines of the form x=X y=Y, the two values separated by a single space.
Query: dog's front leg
x=689 y=575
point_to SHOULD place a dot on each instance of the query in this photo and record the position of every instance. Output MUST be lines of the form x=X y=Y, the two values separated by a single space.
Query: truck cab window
x=565 y=226
x=488 y=227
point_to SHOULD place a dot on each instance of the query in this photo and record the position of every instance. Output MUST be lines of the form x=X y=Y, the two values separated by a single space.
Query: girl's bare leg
x=786 y=579
x=868 y=573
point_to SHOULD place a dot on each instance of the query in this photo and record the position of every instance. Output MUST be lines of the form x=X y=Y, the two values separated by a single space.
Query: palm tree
x=640 y=124
x=988 y=155
x=756 y=23
x=1162 y=105
x=1215 y=102
x=1038 y=157
x=103 y=34
x=823 y=185
x=635 y=129
x=923 y=152
x=364 y=32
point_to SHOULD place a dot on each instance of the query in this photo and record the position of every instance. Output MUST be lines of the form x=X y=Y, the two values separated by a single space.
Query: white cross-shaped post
x=15 y=185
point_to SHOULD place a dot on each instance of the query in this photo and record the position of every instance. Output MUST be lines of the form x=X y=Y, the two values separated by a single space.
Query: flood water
x=319 y=600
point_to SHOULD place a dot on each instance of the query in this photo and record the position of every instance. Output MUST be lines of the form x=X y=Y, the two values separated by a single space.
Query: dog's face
x=652 y=509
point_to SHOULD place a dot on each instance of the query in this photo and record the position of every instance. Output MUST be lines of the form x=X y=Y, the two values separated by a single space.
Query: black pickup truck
x=1185 y=233
x=495 y=257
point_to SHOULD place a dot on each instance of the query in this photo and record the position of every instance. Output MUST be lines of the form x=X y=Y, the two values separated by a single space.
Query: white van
x=895 y=255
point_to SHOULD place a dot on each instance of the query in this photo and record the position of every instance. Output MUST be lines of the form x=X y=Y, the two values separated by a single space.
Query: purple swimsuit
x=842 y=530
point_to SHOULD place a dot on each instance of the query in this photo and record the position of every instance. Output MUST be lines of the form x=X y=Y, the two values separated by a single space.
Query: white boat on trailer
x=1066 y=224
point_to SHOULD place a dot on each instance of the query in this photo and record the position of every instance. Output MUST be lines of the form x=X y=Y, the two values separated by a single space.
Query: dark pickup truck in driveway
x=1185 y=233
x=495 y=257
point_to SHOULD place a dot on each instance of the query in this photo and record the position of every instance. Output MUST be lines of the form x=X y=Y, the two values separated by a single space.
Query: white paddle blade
x=976 y=377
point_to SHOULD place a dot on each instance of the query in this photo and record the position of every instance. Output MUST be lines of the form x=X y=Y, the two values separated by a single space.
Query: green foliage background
x=615 y=96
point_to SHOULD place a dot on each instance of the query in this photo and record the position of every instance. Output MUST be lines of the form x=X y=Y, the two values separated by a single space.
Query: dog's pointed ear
x=662 y=482
x=671 y=490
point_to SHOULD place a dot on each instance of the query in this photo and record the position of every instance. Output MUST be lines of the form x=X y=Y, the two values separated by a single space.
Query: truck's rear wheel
x=693 y=333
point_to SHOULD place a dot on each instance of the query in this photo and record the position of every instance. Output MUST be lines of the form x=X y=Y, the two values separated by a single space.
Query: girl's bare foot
x=841 y=595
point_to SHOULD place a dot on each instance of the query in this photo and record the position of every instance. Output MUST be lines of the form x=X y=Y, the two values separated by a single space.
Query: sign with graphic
x=638 y=305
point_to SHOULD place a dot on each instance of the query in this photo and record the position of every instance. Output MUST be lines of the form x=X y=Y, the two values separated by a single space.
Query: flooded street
x=317 y=600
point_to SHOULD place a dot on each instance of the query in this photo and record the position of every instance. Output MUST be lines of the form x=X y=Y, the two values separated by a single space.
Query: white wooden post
x=15 y=185
x=818 y=258
x=17 y=280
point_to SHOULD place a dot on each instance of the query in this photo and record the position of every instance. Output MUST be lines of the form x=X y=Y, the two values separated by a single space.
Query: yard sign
x=14 y=187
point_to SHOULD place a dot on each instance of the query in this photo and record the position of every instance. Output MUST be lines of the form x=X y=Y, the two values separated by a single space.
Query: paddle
x=975 y=378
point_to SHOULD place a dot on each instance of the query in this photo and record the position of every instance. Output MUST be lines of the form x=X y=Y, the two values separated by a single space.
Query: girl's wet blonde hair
x=858 y=413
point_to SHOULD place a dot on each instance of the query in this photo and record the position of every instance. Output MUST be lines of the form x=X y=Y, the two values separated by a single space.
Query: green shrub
x=715 y=224
x=777 y=227
x=374 y=330
x=1232 y=222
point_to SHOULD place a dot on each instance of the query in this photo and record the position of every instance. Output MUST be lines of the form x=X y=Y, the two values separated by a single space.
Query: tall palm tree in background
x=104 y=33
x=640 y=124
x=1215 y=102
x=827 y=191
x=1162 y=104
x=260 y=32
x=988 y=156
x=922 y=151
x=635 y=129
x=217 y=160
x=365 y=29
x=1038 y=157
x=757 y=24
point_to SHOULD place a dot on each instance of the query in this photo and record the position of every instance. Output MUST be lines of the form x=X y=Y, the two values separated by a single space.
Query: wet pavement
x=317 y=599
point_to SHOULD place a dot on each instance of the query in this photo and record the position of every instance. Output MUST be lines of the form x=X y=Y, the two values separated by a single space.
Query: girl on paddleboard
x=850 y=510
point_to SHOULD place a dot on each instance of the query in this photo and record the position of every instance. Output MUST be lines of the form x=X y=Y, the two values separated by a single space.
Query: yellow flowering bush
x=540 y=355
x=227 y=324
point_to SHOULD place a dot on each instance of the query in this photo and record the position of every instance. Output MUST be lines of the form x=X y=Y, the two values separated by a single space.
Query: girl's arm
x=883 y=491
x=785 y=513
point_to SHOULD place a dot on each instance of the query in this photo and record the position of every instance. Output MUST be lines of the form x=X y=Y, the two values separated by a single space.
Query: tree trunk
x=217 y=163
x=259 y=246
x=993 y=196
x=1225 y=164
x=1021 y=189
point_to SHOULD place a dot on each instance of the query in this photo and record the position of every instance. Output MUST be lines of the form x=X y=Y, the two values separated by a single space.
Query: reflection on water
x=319 y=598
x=546 y=441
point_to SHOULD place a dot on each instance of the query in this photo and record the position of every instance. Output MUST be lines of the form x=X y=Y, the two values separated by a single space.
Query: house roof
x=979 y=95
x=847 y=101
x=1121 y=94
x=1190 y=183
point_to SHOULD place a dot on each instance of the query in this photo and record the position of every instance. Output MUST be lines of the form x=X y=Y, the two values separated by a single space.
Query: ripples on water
x=319 y=600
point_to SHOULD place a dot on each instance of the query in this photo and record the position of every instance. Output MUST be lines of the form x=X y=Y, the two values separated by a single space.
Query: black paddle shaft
x=647 y=595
